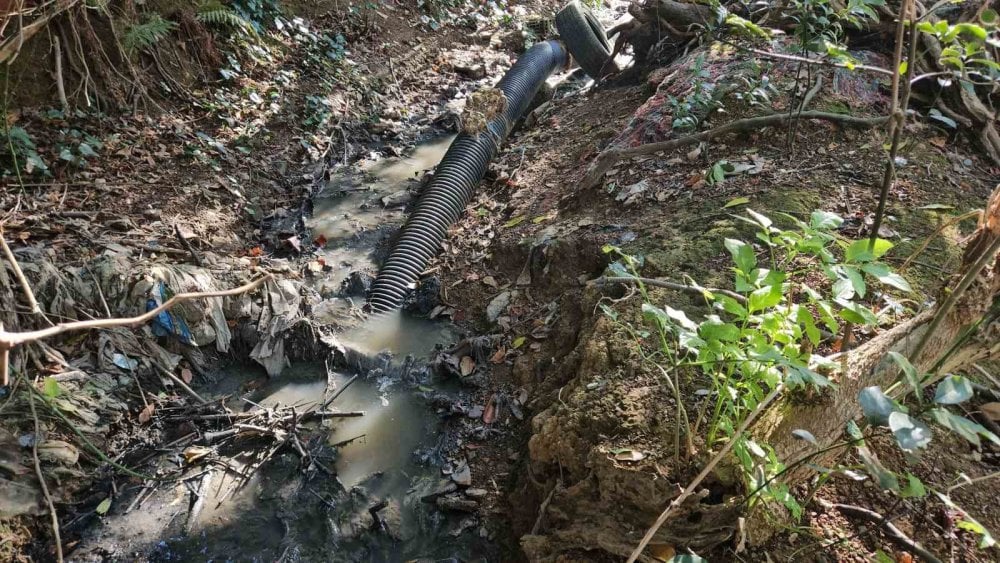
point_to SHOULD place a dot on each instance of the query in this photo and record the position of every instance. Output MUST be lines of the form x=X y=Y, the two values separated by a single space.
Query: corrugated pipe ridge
x=456 y=178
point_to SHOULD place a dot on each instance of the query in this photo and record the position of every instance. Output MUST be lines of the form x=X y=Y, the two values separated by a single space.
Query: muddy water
x=360 y=203
x=391 y=456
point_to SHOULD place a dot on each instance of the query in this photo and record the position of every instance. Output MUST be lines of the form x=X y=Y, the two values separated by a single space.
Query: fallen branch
x=606 y=280
x=891 y=531
x=11 y=340
x=610 y=157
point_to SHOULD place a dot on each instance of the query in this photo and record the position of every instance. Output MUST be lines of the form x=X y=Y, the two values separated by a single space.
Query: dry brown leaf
x=194 y=453
x=186 y=375
x=467 y=365
x=661 y=551
x=991 y=410
x=490 y=412
x=147 y=413
x=500 y=354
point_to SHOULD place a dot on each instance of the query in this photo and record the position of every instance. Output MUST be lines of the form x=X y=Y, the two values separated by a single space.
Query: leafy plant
x=143 y=36
x=214 y=13
x=689 y=112
x=766 y=333
x=23 y=153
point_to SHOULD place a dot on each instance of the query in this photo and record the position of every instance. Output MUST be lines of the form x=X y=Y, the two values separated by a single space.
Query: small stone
x=497 y=306
x=476 y=493
x=462 y=475
x=475 y=412
x=457 y=504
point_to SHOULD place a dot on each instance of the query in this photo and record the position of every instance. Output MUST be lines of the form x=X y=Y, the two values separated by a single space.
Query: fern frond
x=214 y=13
x=142 y=36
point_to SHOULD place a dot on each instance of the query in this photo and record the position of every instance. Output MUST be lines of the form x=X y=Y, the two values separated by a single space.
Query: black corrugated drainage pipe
x=456 y=178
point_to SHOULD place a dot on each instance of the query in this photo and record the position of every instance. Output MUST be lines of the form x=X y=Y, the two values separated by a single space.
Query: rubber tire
x=585 y=39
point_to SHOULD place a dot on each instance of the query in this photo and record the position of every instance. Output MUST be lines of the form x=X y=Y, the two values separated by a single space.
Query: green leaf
x=876 y=405
x=986 y=540
x=914 y=487
x=952 y=124
x=989 y=16
x=764 y=298
x=882 y=273
x=953 y=390
x=736 y=201
x=855 y=432
x=86 y=150
x=805 y=319
x=655 y=314
x=909 y=372
x=976 y=31
x=742 y=254
x=50 y=387
x=858 y=251
x=902 y=68
x=910 y=433
x=759 y=219
x=857 y=280
x=515 y=221
x=825 y=220
x=886 y=479
x=680 y=318
x=962 y=426
x=715 y=329
x=731 y=306
x=103 y=507
x=518 y=342
x=883 y=557
x=857 y=313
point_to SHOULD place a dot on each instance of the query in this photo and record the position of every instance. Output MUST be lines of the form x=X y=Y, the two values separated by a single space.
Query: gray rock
x=476 y=493
x=454 y=503
x=462 y=475
x=497 y=306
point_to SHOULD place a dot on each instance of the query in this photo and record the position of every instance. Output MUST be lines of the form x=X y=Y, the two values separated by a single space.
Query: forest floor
x=562 y=395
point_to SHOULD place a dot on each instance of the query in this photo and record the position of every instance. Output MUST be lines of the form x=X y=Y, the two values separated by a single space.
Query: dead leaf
x=256 y=251
x=467 y=365
x=491 y=281
x=500 y=354
x=186 y=375
x=320 y=241
x=490 y=412
x=629 y=455
x=661 y=551
x=991 y=410
x=147 y=413
x=194 y=453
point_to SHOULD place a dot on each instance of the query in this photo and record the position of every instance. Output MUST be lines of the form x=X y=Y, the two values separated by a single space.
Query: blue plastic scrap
x=166 y=323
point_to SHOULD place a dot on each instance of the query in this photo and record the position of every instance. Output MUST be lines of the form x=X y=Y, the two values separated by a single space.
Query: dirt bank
x=598 y=463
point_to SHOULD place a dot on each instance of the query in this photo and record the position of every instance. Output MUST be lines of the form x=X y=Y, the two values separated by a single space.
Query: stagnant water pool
x=390 y=459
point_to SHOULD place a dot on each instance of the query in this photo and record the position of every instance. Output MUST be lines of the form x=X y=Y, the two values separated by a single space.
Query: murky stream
x=389 y=459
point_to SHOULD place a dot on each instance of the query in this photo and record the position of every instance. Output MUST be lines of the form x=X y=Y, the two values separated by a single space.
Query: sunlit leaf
x=911 y=434
x=876 y=405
